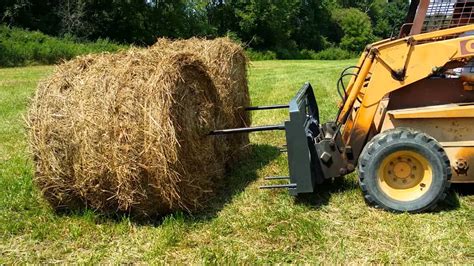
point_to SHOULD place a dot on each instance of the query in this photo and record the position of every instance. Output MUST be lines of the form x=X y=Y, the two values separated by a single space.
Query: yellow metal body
x=392 y=65
x=437 y=111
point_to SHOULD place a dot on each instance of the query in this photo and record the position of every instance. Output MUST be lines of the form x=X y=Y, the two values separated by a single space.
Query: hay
x=127 y=132
x=227 y=66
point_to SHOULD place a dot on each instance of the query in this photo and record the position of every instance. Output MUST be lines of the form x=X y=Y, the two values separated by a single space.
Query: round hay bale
x=227 y=64
x=127 y=132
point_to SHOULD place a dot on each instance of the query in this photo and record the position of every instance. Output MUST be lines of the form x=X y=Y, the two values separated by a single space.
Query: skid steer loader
x=406 y=119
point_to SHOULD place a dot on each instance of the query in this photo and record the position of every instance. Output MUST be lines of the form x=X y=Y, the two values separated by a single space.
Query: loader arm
x=391 y=65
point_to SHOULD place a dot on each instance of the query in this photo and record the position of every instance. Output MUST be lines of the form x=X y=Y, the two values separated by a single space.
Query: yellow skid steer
x=406 y=119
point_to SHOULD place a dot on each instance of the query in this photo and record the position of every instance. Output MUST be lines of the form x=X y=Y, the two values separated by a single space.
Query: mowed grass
x=244 y=224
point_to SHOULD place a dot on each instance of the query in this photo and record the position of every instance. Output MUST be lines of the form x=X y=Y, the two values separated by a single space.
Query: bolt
x=461 y=166
x=343 y=171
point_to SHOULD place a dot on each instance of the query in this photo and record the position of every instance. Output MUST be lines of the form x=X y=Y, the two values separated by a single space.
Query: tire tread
x=393 y=135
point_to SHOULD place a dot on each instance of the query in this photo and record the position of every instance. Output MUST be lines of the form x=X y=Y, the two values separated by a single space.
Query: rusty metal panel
x=420 y=17
x=431 y=91
x=462 y=164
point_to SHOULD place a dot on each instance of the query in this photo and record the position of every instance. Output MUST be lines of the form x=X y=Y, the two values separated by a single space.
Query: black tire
x=400 y=140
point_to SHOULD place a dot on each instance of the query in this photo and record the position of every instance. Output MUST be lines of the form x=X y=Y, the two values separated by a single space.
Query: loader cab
x=432 y=15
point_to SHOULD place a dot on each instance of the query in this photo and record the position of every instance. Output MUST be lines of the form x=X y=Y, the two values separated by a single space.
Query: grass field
x=244 y=224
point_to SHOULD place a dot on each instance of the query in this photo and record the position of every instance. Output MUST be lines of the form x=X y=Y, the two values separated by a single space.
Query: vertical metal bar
x=420 y=17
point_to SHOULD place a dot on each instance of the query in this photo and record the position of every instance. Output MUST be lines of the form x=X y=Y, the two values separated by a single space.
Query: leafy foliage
x=19 y=47
x=356 y=28
x=285 y=27
x=391 y=18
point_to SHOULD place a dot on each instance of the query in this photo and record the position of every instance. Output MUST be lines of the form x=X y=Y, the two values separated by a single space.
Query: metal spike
x=279 y=186
x=270 y=107
x=247 y=129
x=277 y=177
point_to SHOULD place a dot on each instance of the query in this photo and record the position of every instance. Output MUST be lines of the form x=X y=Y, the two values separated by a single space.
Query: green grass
x=244 y=224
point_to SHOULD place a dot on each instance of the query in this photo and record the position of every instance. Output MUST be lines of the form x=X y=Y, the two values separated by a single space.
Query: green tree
x=267 y=23
x=72 y=15
x=392 y=18
x=356 y=28
x=313 y=25
x=222 y=16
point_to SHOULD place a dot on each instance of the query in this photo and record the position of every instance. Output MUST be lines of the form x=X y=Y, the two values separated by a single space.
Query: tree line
x=277 y=25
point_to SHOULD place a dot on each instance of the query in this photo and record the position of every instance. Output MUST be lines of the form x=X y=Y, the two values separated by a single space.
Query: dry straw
x=127 y=132
x=227 y=65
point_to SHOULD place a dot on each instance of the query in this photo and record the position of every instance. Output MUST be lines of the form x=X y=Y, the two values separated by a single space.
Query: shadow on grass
x=463 y=189
x=241 y=175
x=452 y=200
x=244 y=173
x=323 y=193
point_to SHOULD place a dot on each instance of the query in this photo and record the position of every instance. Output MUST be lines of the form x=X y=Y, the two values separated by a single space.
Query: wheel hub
x=404 y=175
x=402 y=170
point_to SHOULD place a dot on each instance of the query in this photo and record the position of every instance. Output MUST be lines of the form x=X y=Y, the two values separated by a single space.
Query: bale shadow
x=237 y=179
x=241 y=175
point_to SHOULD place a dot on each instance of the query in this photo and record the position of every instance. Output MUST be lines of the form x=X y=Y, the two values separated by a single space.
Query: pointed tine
x=277 y=177
x=279 y=186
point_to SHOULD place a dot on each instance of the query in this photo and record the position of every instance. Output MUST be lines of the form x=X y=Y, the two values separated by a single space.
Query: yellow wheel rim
x=405 y=175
